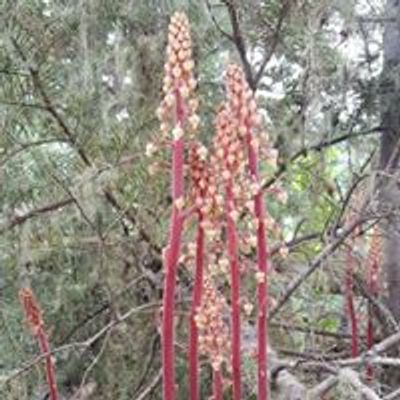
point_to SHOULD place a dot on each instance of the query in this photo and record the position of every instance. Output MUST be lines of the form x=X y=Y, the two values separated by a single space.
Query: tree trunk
x=390 y=154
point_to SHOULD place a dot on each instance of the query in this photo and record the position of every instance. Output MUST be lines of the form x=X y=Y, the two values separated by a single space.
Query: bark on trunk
x=390 y=154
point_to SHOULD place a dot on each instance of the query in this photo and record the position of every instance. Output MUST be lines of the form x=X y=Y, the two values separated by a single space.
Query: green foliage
x=79 y=86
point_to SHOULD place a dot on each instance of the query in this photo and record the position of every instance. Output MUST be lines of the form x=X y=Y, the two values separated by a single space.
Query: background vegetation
x=83 y=212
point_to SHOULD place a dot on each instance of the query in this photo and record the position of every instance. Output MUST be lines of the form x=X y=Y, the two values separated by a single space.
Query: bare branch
x=239 y=41
x=20 y=219
x=328 y=251
x=217 y=25
x=274 y=42
x=317 y=148
x=28 y=146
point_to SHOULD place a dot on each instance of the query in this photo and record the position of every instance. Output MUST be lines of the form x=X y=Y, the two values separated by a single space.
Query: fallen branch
x=351 y=377
x=393 y=396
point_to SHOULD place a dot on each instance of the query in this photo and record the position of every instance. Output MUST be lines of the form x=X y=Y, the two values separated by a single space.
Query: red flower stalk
x=209 y=207
x=34 y=318
x=231 y=160
x=218 y=389
x=243 y=105
x=200 y=185
x=177 y=113
x=235 y=291
x=374 y=257
x=196 y=301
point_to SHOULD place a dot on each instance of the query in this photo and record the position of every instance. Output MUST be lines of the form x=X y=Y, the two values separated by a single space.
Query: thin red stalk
x=50 y=374
x=262 y=287
x=235 y=291
x=244 y=108
x=172 y=257
x=196 y=302
x=217 y=385
x=350 y=303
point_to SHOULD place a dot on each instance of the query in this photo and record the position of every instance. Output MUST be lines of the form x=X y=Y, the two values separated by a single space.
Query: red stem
x=196 y=302
x=235 y=291
x=350 y=303
x=50 y=373
x=262 y=287
x=172 y=257
x=217 y=385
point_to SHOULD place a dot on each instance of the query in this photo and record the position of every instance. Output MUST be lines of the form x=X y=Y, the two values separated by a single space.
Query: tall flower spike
x=200 y=181
x=209 y=209
x=178 y=117
x=196 y=300
x=243 y=109
x=231 y=160
x=33 y=316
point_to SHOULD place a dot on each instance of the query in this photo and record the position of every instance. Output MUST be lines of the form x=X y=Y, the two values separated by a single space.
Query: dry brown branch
x=322 y=388
x=348 y=377
x=20 y=219
x=238 y=39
